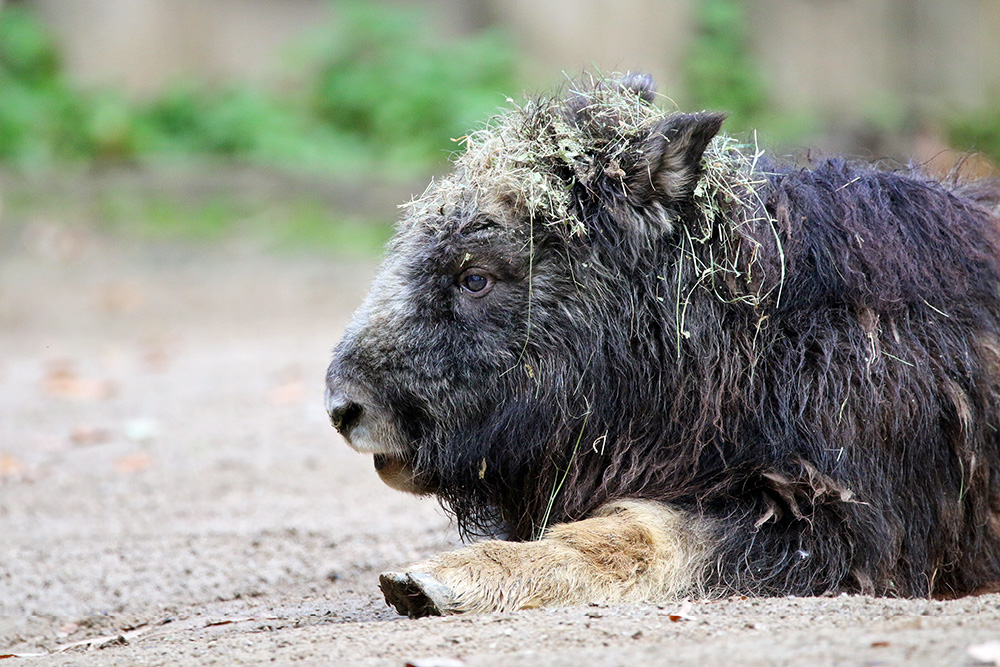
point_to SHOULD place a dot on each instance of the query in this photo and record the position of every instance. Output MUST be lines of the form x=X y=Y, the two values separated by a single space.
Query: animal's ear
x=671 y=156
x=640 y=84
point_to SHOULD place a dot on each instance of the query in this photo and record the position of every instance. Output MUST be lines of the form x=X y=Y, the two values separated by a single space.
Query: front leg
x=629 y=551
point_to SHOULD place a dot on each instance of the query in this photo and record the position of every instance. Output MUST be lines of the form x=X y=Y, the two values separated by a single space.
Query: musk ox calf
x=655 y=364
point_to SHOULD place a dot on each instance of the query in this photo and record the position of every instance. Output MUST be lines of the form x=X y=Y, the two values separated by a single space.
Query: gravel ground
x=172 y=494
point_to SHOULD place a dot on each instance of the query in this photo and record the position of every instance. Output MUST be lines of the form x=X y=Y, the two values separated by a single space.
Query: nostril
x=344 y=415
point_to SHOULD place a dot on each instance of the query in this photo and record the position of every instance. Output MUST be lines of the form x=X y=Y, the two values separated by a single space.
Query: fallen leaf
x=132 y=463
x=880 y=644
x=682 y=614
x=986 y=654
x=10 y=467
x=4 y=656
x=87 y=434
x=63 y=382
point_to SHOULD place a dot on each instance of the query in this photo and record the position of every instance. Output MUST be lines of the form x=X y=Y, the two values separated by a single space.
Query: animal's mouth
x=397 y=472
x=384 y=462
x=370 y=429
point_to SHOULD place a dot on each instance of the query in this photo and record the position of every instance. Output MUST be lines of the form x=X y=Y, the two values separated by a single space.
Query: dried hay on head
x=523 y=164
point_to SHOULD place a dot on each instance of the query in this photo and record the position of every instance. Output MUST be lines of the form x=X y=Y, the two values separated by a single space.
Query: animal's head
x=505 y=316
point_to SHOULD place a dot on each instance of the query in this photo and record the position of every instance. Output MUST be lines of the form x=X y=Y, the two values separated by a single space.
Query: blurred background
x=190 y=115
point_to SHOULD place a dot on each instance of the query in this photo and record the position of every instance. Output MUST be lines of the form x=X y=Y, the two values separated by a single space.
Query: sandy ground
x=172 y=494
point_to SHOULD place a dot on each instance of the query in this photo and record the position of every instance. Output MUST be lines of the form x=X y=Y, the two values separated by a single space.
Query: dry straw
x=524 y=162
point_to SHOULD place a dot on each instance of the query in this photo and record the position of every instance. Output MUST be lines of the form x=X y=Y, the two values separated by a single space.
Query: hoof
x=416 y=594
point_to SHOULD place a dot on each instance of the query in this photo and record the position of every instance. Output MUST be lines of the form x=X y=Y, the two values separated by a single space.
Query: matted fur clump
x=606 y=302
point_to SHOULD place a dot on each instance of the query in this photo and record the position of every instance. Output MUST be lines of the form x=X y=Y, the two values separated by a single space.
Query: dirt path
x=172 y=494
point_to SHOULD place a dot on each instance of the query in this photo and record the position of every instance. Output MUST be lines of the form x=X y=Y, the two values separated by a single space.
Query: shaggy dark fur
x=832 y=401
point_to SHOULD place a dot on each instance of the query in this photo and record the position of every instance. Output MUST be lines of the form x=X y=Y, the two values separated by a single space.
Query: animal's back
x=884 y=375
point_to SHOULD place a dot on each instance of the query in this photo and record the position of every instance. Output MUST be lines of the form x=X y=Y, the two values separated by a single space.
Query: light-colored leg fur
x=629 y=551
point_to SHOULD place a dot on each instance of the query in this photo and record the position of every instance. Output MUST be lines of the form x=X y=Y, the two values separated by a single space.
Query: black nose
x=344 y=413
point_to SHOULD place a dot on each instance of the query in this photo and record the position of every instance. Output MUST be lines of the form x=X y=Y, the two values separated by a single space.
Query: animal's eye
x=475 y=281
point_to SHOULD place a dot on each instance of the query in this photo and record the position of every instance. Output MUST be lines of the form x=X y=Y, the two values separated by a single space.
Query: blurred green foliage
x=979 y=131
x=375 y=89
x=720 y=74
x=289 y=224
x=38 y=112
x=719 y=70
x=382 y=77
